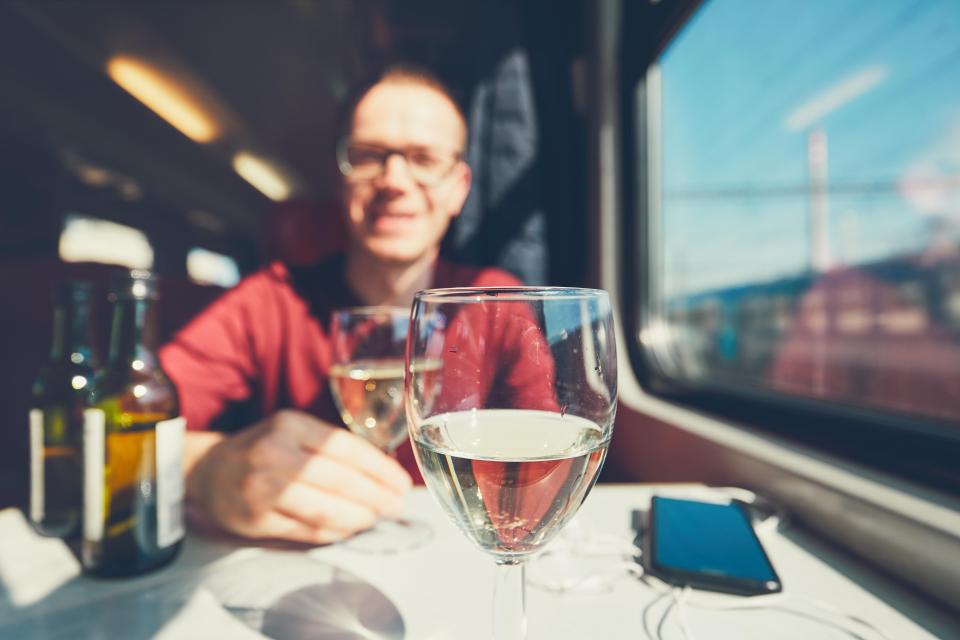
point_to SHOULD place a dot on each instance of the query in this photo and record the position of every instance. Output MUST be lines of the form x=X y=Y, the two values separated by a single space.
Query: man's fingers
x=323 y=510
x=295 y=477
x=331 y=475
x=282 y=527
x=318 y=437
x=351 y=449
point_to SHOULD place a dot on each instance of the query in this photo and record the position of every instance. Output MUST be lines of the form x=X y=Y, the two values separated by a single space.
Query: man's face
x=391 y=214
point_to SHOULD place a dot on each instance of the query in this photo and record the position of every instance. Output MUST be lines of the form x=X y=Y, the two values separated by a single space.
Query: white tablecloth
x=222 y=589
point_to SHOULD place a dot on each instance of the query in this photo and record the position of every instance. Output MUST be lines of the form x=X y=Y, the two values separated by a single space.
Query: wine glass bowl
x=512 y=497
x=366 y=377
x=519 y=415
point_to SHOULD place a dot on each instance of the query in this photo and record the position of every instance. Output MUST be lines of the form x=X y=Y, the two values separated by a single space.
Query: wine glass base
x=593 y=564
x=390 y=536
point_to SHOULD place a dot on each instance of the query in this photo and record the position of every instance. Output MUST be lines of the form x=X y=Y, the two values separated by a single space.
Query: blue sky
x=739 y=97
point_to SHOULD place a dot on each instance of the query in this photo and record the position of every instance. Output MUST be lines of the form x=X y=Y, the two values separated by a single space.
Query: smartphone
x=707 y=546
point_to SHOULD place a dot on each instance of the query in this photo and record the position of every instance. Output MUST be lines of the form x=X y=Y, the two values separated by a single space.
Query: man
x=297 y=474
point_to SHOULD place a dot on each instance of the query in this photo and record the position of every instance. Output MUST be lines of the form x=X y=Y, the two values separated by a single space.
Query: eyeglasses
x=427 y=166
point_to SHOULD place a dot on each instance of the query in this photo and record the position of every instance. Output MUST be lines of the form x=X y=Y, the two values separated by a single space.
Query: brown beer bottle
x=60 y=394
x=133 y=439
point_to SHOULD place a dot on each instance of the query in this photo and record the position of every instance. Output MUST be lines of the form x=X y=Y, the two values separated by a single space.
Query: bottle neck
x=71 y=333
x=133 y=334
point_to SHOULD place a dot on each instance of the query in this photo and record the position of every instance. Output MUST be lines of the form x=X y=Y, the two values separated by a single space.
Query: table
x=438 y=591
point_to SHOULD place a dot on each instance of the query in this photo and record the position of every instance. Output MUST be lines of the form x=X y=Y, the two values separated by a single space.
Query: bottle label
x=170 y=481
x=94 y=428
x=36 y=465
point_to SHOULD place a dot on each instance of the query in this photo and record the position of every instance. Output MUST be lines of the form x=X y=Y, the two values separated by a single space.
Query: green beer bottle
x=56 y=416
x=133 y=440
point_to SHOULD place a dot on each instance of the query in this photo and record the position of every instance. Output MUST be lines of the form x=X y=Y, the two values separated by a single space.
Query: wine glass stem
x=509 y=601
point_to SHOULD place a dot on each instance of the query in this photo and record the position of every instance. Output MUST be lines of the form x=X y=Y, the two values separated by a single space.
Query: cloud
x=834 y=97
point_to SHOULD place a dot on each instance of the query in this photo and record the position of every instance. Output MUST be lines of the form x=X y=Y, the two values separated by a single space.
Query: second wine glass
x=366 y=381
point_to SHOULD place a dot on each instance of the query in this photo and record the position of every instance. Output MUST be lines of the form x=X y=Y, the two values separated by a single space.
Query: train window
x=209 y=267
x=802 y=209
x=86 y=239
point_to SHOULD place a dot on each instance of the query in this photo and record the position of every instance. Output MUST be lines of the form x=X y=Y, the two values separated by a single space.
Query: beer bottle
x=133 y=438
x=56 y=417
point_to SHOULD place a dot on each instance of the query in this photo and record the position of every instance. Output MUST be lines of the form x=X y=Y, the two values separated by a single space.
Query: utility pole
x=817 y=156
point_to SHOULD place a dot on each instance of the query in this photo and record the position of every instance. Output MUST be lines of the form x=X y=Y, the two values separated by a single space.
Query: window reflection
x=86 y=239
x=209 y=267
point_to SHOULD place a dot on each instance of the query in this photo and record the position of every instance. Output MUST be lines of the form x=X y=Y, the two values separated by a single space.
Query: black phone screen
x=708 y=545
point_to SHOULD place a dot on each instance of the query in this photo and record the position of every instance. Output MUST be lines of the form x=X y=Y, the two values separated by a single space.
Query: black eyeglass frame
x=346 y=168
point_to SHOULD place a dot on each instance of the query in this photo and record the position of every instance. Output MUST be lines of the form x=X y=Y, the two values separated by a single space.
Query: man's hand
x=293 y=477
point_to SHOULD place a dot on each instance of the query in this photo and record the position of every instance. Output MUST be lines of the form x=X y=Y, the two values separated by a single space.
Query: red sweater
x=267 y=341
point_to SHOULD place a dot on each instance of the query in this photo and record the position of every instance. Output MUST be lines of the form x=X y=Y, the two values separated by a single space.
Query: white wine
x=369 y=395
x=510 y=478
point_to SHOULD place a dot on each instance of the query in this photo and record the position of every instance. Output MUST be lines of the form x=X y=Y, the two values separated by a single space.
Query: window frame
x=919 y=450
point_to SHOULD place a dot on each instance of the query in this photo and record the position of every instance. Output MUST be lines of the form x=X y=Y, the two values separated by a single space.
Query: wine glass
x=510 y=431
x=366 y=380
